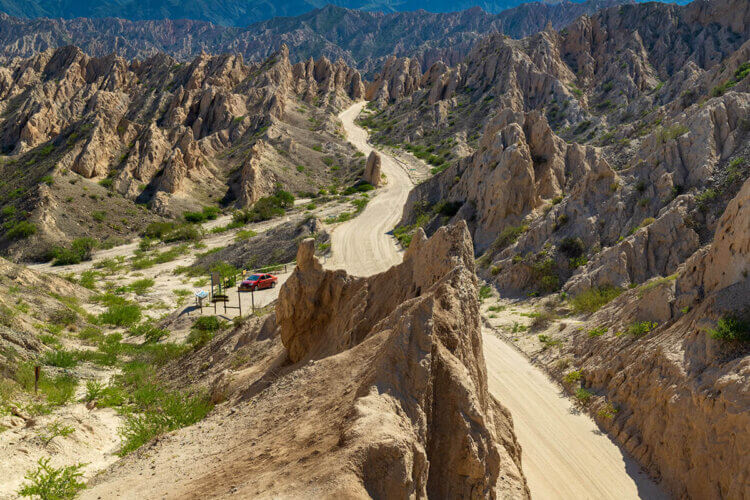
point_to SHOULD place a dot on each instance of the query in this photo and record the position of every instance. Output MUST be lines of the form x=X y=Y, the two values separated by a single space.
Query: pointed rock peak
x=306 y=259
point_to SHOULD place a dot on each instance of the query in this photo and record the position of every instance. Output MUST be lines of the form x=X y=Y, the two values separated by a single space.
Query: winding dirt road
x=565 y=456
x=373 y=250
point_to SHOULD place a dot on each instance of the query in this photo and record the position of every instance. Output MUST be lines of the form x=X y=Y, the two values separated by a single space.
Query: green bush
x=58 y=390
x=573 y=376
x=583 y=396
x=594 y=298
x=485 y=292
x=641 y=328
x=598 y=331
x=20 y=230
x=508 y=236
x=730 y=328
x=141 y=286
x=121 y=314
x=547 y=341
x=167 y=411
x=79 y=250
x=50 y=483
x=572 y=247
x=59 y=358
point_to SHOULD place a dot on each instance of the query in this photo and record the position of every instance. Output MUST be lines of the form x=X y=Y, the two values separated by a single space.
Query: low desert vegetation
x=52 y=483
x=731 y=328
x=593 y=299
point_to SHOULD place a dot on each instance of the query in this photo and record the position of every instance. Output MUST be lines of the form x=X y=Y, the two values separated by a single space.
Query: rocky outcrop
x=362 y=39
x=373 y=169
x=423 y=314
x=400 y=77
x=353 y=388
x=680 y=394
x=168 y=135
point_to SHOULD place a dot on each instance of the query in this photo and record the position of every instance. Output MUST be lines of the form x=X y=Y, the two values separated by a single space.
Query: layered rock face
x=171 y=135
x=684 y=408
x=421 y=321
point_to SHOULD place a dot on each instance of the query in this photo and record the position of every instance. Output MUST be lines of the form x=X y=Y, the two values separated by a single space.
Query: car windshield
x=253 y=277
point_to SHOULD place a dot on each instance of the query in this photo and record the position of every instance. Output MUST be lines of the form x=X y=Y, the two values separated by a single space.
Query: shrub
x=59 y=358
x=572 y=247
x=121 y=314
x=730 y=328
x=641 y=328
x=20 y=230
x=58 y=390
x=141 y=286
x=203 y=331
x=573 y=376
x=50 y=483
x=485 y=292
x=607 y=411
x=594 y=298
x=508 y=236
x=583 y=396
x=151 y=333
x=598 y=331
x=79 y=250
x=547 y=341
x=168 y=411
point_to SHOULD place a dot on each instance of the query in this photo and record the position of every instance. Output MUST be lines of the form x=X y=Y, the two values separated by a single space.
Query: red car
x=259 y=281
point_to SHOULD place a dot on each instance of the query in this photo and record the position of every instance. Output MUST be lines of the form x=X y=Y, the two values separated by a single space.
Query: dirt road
x=364 y=253
x=565 y=456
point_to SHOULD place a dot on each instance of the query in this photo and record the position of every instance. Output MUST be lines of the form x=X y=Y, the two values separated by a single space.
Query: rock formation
x=372 y=169
x=170 y=135
x=682 y=395
x=363 y=39
x=356 y=388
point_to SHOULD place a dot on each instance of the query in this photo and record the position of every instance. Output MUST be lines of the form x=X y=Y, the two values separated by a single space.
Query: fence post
x=37 y=372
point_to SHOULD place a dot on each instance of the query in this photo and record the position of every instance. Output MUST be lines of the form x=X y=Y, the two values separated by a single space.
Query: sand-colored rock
x=373 y=169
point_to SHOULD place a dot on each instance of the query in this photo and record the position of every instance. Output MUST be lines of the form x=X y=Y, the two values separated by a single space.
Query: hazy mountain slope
x=361 y=38
x=230 y=12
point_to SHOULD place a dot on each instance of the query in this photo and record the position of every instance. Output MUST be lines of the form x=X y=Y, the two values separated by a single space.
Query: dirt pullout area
x=380 y=391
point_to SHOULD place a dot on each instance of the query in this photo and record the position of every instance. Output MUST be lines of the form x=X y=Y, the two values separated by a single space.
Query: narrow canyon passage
x=565 y=456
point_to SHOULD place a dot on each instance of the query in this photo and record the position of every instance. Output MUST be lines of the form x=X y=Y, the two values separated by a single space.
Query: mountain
x=119 y=136
x=607 y=161
x=229 y=12
x=362 y=39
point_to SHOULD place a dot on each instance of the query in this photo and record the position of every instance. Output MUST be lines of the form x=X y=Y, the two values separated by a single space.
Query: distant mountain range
x=230 y=12
x=362 y=39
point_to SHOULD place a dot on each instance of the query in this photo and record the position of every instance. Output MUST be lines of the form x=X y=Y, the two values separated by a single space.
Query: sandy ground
x=565 y=455
x=362 y=245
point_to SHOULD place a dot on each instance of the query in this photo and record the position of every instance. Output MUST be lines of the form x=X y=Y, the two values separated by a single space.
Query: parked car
x=258 y=282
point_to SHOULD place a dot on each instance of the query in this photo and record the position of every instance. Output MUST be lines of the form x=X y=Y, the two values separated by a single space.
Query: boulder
x=372 y=169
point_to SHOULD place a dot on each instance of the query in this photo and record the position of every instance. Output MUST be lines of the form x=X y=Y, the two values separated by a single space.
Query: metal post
x=239 y=301
x=252 y=297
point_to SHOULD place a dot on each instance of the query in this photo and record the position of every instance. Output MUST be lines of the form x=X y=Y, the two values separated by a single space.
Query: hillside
x=101 y=147
x=609 y=159
x=362 y=39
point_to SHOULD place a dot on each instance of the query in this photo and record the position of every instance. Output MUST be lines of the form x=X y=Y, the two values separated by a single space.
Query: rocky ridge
x=637 y=197
x=371 y=389
x=170 y=135
x=363 y=39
